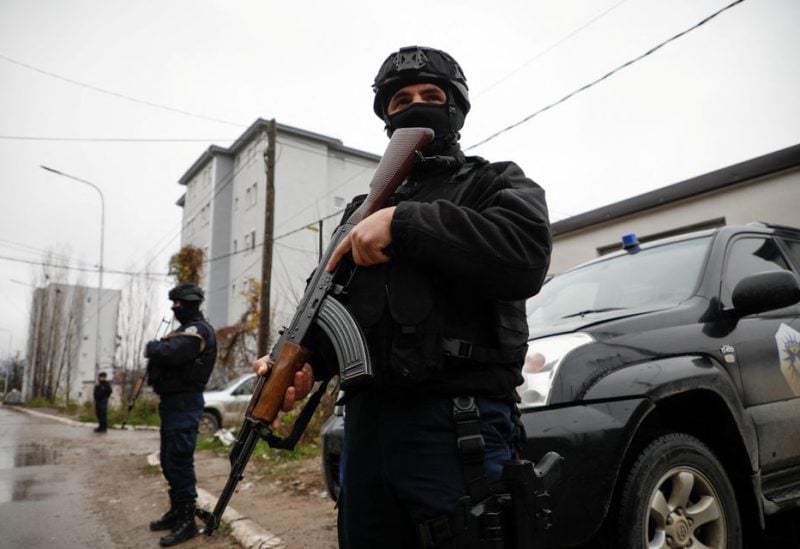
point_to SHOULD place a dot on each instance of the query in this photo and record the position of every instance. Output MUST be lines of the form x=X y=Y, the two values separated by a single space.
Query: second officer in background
x=180 y=366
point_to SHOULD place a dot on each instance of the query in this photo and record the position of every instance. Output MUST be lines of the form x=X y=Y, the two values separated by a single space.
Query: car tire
x=677 y=494
x=209 y=424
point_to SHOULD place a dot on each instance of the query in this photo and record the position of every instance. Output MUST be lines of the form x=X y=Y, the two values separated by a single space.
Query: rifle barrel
x=212 y=520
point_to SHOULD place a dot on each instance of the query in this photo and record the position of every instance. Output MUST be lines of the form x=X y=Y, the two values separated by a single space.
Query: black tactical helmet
x=186 y=292
x=415 y=64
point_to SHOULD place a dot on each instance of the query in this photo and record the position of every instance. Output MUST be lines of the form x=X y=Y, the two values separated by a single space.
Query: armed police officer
x=180 y=365
x=437 y=281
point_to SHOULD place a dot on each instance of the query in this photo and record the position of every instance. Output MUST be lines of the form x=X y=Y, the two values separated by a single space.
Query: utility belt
x=519 y=517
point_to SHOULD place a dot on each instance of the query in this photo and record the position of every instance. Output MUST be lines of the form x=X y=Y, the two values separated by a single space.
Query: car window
x=794 y=251
x=246 y=388
x=657 y=277
x=748 y=256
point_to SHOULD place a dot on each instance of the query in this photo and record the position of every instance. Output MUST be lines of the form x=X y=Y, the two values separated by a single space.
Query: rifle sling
x=300 y=423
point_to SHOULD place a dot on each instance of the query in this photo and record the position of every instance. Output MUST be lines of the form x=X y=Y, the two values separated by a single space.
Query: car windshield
x=654 y=278
x=224 y=385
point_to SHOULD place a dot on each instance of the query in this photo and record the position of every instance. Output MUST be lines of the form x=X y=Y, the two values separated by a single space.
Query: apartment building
x=68 y=343
x=224 y=211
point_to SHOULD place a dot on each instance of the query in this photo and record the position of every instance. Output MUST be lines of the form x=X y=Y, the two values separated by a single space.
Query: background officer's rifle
x=137 y=387
x=316 y=308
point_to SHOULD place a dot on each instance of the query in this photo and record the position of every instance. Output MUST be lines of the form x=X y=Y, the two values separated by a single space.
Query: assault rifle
x=317 y=308
x=137 y=387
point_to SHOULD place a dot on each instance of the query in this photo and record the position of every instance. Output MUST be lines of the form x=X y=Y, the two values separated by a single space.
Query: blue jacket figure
x=180 y=366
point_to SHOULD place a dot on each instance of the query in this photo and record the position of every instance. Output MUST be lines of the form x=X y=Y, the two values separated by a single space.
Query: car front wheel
x=209 y=424
x=677 y=494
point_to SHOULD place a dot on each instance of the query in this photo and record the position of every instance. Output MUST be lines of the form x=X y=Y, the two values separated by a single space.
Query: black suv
x=668 y=377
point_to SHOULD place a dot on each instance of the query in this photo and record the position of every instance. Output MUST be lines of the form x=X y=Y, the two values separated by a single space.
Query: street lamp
x=100 y=281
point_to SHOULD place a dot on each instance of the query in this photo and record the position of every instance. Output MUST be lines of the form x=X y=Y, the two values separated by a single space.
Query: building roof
x=767 y=164
x=261 y=125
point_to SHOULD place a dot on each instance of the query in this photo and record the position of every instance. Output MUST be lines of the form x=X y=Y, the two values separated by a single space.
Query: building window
x=250 y=196
x=250 y=240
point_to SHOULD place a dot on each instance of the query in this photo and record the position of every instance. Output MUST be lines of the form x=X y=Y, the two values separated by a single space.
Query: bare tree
x=237 y=343
x=56 y=328
x=140 y=322
x=14 y=368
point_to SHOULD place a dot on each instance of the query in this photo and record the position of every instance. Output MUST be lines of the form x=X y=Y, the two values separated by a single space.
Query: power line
x=78 y=268
x=551 y=47
x=116 y=94
x=111 y=139
x=595 y=82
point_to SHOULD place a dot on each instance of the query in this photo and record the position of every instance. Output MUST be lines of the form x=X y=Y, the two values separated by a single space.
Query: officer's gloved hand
x=147 y=348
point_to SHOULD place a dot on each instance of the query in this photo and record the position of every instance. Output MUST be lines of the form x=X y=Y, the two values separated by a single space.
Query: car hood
x=581 y=323
x=209 y=396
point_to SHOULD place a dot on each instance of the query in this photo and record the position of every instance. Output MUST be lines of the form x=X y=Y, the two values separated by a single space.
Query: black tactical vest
x=190 y=375
x=439 y=336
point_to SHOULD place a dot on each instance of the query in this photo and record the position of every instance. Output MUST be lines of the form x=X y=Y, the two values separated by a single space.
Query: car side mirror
x=766 y=292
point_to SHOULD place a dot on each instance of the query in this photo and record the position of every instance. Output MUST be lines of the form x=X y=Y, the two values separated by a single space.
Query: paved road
x=42 y=498
x=64 y=486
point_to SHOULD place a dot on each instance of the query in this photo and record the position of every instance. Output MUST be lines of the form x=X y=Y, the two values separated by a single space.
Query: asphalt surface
x=44 y=500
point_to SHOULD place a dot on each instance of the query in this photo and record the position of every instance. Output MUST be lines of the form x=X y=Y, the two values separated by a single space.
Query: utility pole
x=264 y=329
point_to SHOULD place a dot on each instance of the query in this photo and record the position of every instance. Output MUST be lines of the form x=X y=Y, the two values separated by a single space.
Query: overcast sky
x=128 y=94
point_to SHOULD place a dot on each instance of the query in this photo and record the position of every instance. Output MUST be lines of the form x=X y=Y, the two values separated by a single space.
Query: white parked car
x=225 y=407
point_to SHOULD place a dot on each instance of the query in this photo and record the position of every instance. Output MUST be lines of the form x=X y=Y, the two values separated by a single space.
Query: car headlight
x=541 y=365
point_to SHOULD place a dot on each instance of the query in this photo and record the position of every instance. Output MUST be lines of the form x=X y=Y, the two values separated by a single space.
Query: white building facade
x=66 y=346
x=224 y=210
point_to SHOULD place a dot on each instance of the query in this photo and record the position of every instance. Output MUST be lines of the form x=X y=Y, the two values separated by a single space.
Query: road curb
x=243 y=529
x=246 y=532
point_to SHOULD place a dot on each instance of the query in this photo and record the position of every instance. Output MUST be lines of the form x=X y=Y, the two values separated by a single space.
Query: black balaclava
x=440 y=118
x=189 y=310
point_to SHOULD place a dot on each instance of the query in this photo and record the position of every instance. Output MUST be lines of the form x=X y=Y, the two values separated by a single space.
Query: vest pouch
x=416 y=350
x=154 y=374
x=511 y=324
x=365 y=295
x=200 y=370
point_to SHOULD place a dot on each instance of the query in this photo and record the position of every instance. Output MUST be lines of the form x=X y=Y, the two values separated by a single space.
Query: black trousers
x=401 y=466
x=180 y=417
x=101 y=411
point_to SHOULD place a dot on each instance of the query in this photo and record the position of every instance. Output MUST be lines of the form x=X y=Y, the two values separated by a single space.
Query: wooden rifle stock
x=270 y=394
x=289 y=354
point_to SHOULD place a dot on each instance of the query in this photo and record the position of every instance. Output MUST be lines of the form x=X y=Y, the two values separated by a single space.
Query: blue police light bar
x=630 y=243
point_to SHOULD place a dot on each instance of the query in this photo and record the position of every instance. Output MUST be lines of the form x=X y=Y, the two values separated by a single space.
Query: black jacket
x=182 y=361
x=470 y=242
x=102 y=391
